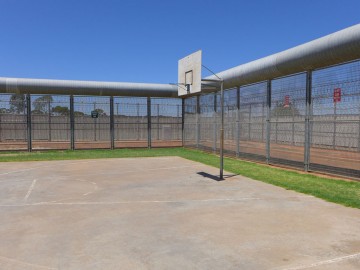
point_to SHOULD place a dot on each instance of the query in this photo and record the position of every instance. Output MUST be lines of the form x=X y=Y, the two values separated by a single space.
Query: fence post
x=335 y=119
x=268 y=123
x=197 y=121
x=95 y=121
x=359 y=132
x=175 y=135
x=49 y=119
x=276 y=127
x=112 y=130
x=238 y=121
x=28 y=122
x=137 y=122
x=183 y=121
x=262 y=121
x=308 y=115
x=215 y=122
x=293 y=125
x=72 y=123
x=249 y=123
x=158 y=122
x=149 y=121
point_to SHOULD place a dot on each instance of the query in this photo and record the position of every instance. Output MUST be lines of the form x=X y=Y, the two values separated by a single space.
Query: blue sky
x=141 y=41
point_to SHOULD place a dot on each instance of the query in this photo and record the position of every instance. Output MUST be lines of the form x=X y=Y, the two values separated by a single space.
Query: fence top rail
x=94 y=88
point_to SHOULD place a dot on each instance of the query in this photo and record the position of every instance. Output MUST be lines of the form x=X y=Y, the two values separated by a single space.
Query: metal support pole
x=158 y=122
x=95 y=120
x=276 y=127
x=197 y=121
x=1 y=129
x=335 y=119
x=262 y=121
x=215 y=122
x=72 y=123
x=308 y=115
x=222 y=133
x=137 y=121
x=249 y=124
x=293 y=124
x=237 y=121
x=118 y=118
x=183 y=121
x=359 y=131
x=176 y=137
x=49 y=119
x=112 y=130
x=149 y=121
x=28 y=121
x=268 y=123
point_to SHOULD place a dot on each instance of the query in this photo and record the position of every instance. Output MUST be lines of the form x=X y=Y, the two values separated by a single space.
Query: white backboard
x=189 y=74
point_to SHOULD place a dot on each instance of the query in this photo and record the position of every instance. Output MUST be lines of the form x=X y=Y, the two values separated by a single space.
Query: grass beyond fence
x=333 y=190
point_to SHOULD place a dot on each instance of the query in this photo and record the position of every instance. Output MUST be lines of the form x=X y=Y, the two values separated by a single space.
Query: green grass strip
x=333 y=190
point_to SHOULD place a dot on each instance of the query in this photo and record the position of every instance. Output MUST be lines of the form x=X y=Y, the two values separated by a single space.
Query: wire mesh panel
x=92 y=132
x=335 y=132
x=287 y=118
x=50 y=116
x=130 y=122
x=230 y=111
x=13 y=127
x=166 y=122
x=207 y=122
x=190 y=123
x=253 y=121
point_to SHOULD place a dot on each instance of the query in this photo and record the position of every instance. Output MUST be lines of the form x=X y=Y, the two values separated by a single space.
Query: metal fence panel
x=253 y=121
x=13 y=124
x=335 y=121
x=130 y=122
x=50 y=116
x=230 y=111
x=166 y=122
x=287 y=118
x=92 y=132
x=190 y=122
x=208 y=119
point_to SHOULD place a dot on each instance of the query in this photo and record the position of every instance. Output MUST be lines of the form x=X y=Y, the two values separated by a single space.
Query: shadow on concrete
x=215 y=177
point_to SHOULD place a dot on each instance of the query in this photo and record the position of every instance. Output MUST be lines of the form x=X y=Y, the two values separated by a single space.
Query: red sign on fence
x=287 y=101
x=337 y=95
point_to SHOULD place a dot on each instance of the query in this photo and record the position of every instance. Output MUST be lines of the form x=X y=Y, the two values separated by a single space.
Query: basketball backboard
x=189 y=74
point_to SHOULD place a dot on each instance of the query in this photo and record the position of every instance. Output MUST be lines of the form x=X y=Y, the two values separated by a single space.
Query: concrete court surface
x=164 y=213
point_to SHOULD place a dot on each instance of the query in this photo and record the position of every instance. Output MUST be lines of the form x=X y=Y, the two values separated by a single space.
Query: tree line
x=41 y=105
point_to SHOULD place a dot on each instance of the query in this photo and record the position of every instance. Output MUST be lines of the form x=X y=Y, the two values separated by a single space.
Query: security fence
x=35 y=122
x=309 y=120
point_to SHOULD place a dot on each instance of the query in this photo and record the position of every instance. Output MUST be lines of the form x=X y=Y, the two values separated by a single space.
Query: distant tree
x=100 y=112
x=42 y=103
x=77 y=113
x=37 y=112
x=60 y=110
x=282 y=110
x=17 y=103
x=4 y=110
